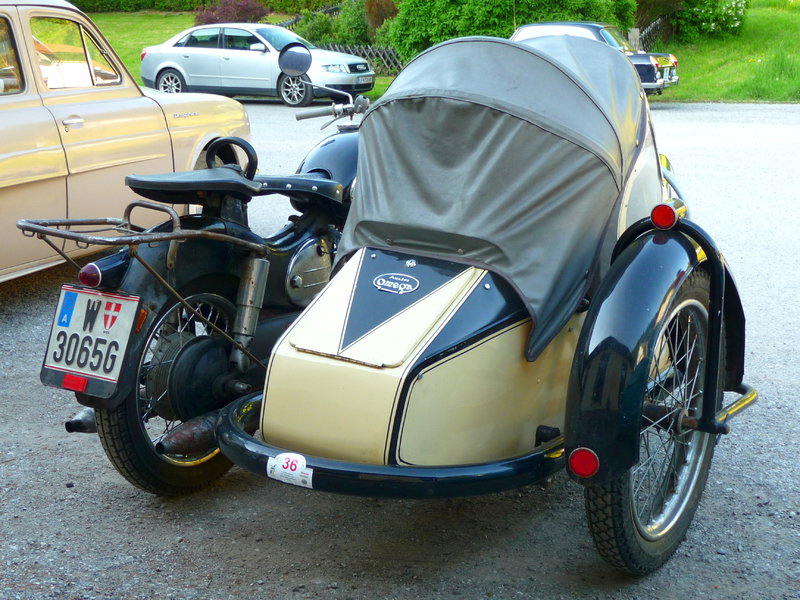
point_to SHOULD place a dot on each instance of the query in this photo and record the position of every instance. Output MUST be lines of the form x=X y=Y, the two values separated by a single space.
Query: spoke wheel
x=295 y=91
x=171 y=82
x=130 y=432
x=639 y=520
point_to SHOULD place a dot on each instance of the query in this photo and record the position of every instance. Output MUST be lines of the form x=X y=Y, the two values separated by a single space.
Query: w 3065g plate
x=88 y=340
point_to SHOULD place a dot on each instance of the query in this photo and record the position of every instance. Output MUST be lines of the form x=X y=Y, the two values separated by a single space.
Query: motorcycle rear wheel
x=639 y=520
x=130 y=431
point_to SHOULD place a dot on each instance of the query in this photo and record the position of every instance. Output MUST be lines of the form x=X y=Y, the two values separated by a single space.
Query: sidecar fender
x=610 y=369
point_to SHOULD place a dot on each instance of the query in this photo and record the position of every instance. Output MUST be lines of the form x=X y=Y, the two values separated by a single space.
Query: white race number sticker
x=289 y=467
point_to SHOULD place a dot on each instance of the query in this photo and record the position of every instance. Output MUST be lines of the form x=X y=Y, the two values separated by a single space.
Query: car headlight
x=335 y=68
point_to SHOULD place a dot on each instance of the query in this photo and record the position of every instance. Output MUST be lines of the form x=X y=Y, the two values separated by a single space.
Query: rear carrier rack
x=121 y=232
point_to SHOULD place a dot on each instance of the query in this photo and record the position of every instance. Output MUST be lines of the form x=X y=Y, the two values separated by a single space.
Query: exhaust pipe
x=190 y=437
x=82 y=422
x=197 y=434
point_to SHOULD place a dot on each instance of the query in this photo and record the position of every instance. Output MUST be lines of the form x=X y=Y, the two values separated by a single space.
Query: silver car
x=242 y=59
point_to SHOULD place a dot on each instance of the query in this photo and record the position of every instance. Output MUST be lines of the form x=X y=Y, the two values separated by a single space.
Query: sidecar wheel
x=638 y=520
x=129 y=433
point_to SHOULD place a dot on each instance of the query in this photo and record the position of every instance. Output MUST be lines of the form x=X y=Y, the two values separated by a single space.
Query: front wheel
x=129 y=433
x=638 y=520
x=295 y=91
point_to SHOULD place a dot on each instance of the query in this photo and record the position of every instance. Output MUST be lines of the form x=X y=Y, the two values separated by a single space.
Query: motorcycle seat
x=192 y=187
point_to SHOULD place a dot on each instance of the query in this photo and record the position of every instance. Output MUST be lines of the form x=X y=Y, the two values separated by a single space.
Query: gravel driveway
x=71 y=528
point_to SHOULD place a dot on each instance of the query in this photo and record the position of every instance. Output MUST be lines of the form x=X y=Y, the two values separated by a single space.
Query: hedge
x=281 y=6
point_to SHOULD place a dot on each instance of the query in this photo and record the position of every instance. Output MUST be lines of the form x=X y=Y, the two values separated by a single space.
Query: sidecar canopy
x=514 y=157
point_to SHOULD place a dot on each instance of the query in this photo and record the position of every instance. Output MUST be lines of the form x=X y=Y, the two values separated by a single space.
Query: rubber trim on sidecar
x=388 y=481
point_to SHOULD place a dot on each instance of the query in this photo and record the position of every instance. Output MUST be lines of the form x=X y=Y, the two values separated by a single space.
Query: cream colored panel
x=485 y=403
x=325 y=407
x=320 y=328
x=390 y=344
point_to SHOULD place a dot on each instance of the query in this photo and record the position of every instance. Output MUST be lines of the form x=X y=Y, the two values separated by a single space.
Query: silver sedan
x=242 y=59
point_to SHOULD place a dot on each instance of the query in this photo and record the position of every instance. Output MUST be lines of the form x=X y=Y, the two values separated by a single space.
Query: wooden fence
x=384 y=60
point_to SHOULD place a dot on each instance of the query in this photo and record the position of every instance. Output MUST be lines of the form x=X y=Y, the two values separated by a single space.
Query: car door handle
x=72 y=121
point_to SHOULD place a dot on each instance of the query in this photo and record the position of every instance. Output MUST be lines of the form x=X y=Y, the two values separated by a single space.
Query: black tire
x=170 y=81
x=640 y=519
x=295 y=91
x=130 y=431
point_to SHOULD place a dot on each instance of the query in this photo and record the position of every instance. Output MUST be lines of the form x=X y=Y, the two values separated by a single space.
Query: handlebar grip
x=327 y=111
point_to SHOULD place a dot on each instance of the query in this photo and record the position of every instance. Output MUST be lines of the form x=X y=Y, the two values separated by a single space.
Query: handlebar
x=357 y=107
x=327 y=111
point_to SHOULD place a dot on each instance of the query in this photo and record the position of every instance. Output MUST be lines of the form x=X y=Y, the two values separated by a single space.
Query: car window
x=527 y=33
x=10 y=74
x=278 y=37
x=239 y=39
x=614 y=38
x=68 y=57
x=202 y=38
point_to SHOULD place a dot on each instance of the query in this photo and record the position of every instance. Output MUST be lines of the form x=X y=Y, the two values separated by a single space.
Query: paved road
x=71 y=528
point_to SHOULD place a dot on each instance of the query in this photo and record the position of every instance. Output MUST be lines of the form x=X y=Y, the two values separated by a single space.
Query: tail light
x=674 y=60
x=584 y=462
x=90 y=275
x=143 y=55
x=664 y=216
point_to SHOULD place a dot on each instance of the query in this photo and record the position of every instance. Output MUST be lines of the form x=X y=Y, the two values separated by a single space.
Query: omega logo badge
x=396 y=283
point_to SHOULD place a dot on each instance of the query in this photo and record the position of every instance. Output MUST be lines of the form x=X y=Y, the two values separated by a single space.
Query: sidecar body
x=501 y=293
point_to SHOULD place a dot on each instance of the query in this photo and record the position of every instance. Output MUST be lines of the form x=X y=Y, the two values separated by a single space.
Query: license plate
x=89 y=336
x=366 y=79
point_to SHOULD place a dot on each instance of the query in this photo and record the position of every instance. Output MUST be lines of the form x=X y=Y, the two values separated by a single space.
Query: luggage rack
x=91 y=232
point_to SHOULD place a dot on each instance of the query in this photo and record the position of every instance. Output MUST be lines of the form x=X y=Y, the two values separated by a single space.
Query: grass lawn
x=761 y=64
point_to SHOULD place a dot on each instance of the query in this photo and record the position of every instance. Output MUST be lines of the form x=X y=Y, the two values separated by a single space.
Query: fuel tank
x=412 y=360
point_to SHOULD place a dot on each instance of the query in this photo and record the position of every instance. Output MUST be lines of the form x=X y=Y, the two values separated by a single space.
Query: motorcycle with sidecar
x=518 y=289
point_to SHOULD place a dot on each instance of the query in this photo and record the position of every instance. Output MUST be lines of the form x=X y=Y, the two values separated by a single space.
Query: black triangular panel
x=388 y=283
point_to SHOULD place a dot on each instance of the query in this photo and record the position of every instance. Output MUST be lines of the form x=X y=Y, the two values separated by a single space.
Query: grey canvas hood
x=508 y=155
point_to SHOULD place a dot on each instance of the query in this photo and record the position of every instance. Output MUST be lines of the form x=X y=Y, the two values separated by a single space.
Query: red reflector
x=583 y=462
x=664 y=216
x=76 y=383
x=90 y=275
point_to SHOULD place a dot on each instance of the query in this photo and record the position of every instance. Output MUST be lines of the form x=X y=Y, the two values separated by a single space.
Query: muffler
x=82 y=422
x=197 y=434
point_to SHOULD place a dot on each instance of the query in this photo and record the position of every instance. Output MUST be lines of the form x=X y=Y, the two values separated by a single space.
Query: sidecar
x=517 y=289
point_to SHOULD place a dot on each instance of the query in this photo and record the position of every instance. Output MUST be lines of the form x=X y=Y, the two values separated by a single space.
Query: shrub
x=294 y=7
x=379 y=11
x=350 y=26
x=704 y=17
x=315 y=27
x=100 y=6
x=422 y=23
x=230 y=11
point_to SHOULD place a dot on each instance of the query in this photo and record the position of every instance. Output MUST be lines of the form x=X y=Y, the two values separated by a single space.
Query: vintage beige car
x=75 y=123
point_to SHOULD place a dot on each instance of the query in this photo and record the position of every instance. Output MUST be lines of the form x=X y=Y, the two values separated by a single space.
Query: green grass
x=761 y=64
x=128 y=33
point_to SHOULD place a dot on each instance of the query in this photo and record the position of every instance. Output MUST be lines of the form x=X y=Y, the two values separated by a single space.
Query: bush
x=100 y=6
x=379 y=11
x=422 y=23
x=704 y=17
x=230 y=11
x=294 y=7
x=315 y=27
x=350 y=26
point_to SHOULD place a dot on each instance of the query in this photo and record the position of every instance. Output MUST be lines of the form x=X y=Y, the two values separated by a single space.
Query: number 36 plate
x=88 y=340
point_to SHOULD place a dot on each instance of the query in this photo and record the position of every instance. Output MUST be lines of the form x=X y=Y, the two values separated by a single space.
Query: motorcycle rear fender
x=198 y=260
x=610 y=369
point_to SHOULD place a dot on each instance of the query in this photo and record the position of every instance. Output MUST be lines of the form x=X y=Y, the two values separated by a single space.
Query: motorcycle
x=178 y=322
x=518 y=289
